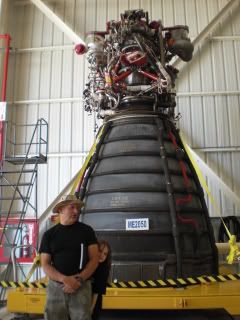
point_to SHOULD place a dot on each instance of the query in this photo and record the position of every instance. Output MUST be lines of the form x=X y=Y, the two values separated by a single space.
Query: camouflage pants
x=65 y=306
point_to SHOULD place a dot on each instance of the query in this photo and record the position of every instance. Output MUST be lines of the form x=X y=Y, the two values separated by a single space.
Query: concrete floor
x=4 y=315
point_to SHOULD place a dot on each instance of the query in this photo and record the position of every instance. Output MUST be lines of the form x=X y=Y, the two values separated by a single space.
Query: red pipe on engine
x=122 y=76
x=187 y=198
x=149 y=75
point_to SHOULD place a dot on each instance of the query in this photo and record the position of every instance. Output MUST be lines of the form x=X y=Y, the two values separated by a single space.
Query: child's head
x=104 y=251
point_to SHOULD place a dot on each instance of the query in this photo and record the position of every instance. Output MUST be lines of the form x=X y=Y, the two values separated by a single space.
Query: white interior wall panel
x=4 y=19
x=210 y=120
x=3 y=11
x=2 y=30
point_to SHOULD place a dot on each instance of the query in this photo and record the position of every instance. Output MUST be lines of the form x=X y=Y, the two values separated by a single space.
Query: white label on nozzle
x=137 y=224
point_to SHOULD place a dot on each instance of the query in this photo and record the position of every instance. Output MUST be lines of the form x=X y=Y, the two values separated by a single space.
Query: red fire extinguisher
x=25 y=252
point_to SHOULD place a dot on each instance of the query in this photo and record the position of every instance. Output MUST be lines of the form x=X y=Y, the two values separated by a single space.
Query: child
x=100 y=278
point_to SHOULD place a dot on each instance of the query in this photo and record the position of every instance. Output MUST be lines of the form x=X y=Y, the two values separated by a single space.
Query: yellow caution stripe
x=178 y=282
x=159 y=283
x=25 y=284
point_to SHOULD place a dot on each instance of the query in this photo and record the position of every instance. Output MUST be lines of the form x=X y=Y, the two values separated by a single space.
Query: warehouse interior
x=46 y=134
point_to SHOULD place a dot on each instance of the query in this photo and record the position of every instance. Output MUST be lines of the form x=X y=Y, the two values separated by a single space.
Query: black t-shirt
x=68 y=246
x=100 y=278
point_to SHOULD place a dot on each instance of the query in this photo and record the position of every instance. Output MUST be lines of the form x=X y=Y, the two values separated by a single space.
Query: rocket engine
x=141 y=192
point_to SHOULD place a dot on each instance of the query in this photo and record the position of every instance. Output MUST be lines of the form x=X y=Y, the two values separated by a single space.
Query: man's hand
x=70 y=284
x=67 y=289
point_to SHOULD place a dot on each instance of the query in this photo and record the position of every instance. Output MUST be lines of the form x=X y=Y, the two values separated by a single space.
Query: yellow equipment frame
x=217 y=295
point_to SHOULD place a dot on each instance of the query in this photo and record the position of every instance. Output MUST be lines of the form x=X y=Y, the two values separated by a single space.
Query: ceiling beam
x=205 y=34
x=58 y=22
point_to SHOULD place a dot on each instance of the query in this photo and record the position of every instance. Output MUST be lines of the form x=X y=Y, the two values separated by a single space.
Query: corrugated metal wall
x=4 y=10
x=210 y=117
x=3 y=30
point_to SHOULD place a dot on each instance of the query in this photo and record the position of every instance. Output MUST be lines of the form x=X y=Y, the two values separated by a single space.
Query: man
x=69 y=256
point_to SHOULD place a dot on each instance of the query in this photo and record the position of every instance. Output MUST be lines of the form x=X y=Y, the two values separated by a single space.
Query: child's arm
x=94 y=300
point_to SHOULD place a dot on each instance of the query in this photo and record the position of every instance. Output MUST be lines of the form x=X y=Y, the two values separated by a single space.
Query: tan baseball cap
x=66 y=200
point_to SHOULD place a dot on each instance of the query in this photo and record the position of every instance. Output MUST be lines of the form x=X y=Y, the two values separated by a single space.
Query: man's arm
x=68 y=281
x=91 y=266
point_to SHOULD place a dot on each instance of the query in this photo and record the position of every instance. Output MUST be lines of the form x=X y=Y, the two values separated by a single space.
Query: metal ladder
x=18 y=187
